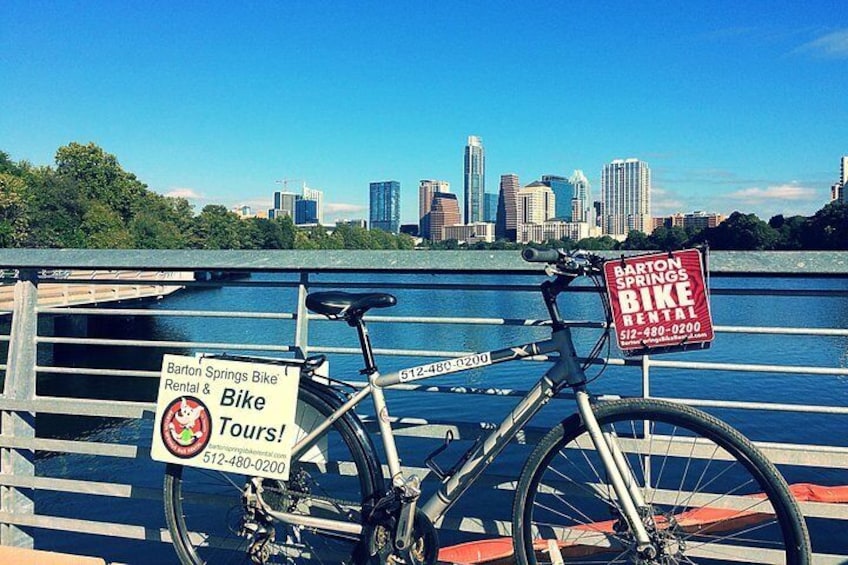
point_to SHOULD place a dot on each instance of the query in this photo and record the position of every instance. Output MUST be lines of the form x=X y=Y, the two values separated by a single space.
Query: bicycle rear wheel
x=210 y=523
x=711 y=496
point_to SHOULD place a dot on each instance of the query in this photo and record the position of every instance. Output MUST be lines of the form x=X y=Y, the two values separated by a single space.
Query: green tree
x=104 y=229
x=790 y=231
x=744 y=232
x=100 y=177
x=405 y=242
x=636 y=240
x=603 y=243
x=353 y=237
x=7 y=166
x=270 y=234
x=162 y=222
x=13 y=217
x=218 y=228
x=303 y=241
x=380 y=239
x=55 y=209
x=827 y=229
x=668 y=239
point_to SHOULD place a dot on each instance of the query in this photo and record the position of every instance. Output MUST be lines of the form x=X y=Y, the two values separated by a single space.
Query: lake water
x=144 y=508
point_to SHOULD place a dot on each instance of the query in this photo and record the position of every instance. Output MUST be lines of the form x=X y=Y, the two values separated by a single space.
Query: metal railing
x=74 y=462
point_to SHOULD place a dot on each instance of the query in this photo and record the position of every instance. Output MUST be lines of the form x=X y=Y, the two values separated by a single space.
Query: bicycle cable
x=604 y=339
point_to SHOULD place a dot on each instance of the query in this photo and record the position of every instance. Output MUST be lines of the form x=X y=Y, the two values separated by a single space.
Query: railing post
x=301 y=332
x=646 y=431
x=20 y=385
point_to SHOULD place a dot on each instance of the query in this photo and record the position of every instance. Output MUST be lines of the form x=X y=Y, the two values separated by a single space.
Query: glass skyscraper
x=490 y=207
x=626 y=197
x=564 y=192
x=305 y=211
x=582 y=204
x=474 y=180
x=384 y=206
x=318 y=197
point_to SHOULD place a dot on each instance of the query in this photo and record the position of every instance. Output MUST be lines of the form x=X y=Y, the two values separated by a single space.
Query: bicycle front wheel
x=710 y=497
x=211 y=520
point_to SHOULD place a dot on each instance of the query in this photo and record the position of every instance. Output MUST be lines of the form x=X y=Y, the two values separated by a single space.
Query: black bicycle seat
x=346 y=305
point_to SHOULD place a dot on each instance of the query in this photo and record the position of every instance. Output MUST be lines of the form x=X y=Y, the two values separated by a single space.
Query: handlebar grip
x=540 y=255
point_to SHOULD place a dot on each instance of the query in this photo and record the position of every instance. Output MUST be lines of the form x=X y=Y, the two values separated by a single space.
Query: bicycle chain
x=284 y=493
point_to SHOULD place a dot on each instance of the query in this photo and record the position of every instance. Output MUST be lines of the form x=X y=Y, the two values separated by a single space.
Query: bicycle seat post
x=364 y=344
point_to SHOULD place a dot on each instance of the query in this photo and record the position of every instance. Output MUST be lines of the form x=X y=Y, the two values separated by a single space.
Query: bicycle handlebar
x=540 y=255
x=577 y=262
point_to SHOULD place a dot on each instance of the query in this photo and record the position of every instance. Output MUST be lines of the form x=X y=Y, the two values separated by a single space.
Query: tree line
x=87 y=200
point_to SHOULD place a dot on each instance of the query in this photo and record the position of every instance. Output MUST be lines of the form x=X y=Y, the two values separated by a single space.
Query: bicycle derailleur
x=255 y=527
x=397 y=532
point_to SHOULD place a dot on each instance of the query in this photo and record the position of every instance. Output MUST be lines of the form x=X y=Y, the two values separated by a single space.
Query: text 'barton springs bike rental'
x=226 y=415
x=659 y=302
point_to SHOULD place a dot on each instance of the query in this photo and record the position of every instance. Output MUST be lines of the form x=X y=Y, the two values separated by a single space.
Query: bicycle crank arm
x=403 y=535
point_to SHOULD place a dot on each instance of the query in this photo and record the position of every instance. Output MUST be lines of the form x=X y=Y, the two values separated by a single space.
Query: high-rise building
x=536 y=204
x=384 y=206
x=426 y=190
x=444 y=212
x=843 y=171
x=318 y=197
x=564 y=192
x=582 y=196
x=838 y=190
x=490 y=207
x=284 y=203
x=507 y=214
x=306 y=212
x=474 y=180
x=305 y=208
x=626 y=197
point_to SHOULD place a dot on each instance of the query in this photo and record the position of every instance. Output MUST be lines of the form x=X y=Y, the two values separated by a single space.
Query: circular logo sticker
x=186 y=427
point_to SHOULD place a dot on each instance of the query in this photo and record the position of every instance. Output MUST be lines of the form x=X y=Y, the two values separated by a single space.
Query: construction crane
x=285 y=183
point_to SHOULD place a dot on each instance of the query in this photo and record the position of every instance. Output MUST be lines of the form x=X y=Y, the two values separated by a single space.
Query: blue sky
x=734 y=105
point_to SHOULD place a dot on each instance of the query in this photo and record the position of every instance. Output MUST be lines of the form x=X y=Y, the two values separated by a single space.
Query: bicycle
x=626 y=480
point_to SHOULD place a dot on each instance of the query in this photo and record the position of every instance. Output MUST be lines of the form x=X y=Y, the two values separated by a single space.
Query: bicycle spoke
x=705 y=500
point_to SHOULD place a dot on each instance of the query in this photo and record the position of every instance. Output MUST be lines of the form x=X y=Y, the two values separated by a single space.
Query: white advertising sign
x=226 y=415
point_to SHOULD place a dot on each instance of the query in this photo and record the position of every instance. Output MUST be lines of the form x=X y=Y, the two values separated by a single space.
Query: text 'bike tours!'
x=660 y=302
x=226 y=415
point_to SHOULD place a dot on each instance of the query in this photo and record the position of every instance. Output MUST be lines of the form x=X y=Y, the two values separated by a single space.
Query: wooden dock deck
x=89 y=288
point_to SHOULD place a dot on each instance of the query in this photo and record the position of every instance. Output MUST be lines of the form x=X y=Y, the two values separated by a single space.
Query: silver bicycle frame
x=566 y=370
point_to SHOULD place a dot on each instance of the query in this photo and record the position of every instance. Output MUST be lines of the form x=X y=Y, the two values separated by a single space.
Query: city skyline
x=734 y=109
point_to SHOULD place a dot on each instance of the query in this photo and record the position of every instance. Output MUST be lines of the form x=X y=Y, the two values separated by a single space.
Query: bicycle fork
x=621 y=478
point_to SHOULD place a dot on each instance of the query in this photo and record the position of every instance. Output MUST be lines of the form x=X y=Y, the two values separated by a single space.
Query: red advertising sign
x=659 y=302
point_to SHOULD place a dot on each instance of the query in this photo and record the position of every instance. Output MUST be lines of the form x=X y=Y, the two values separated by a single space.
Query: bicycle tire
x=564 y=509
x=204 y=508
